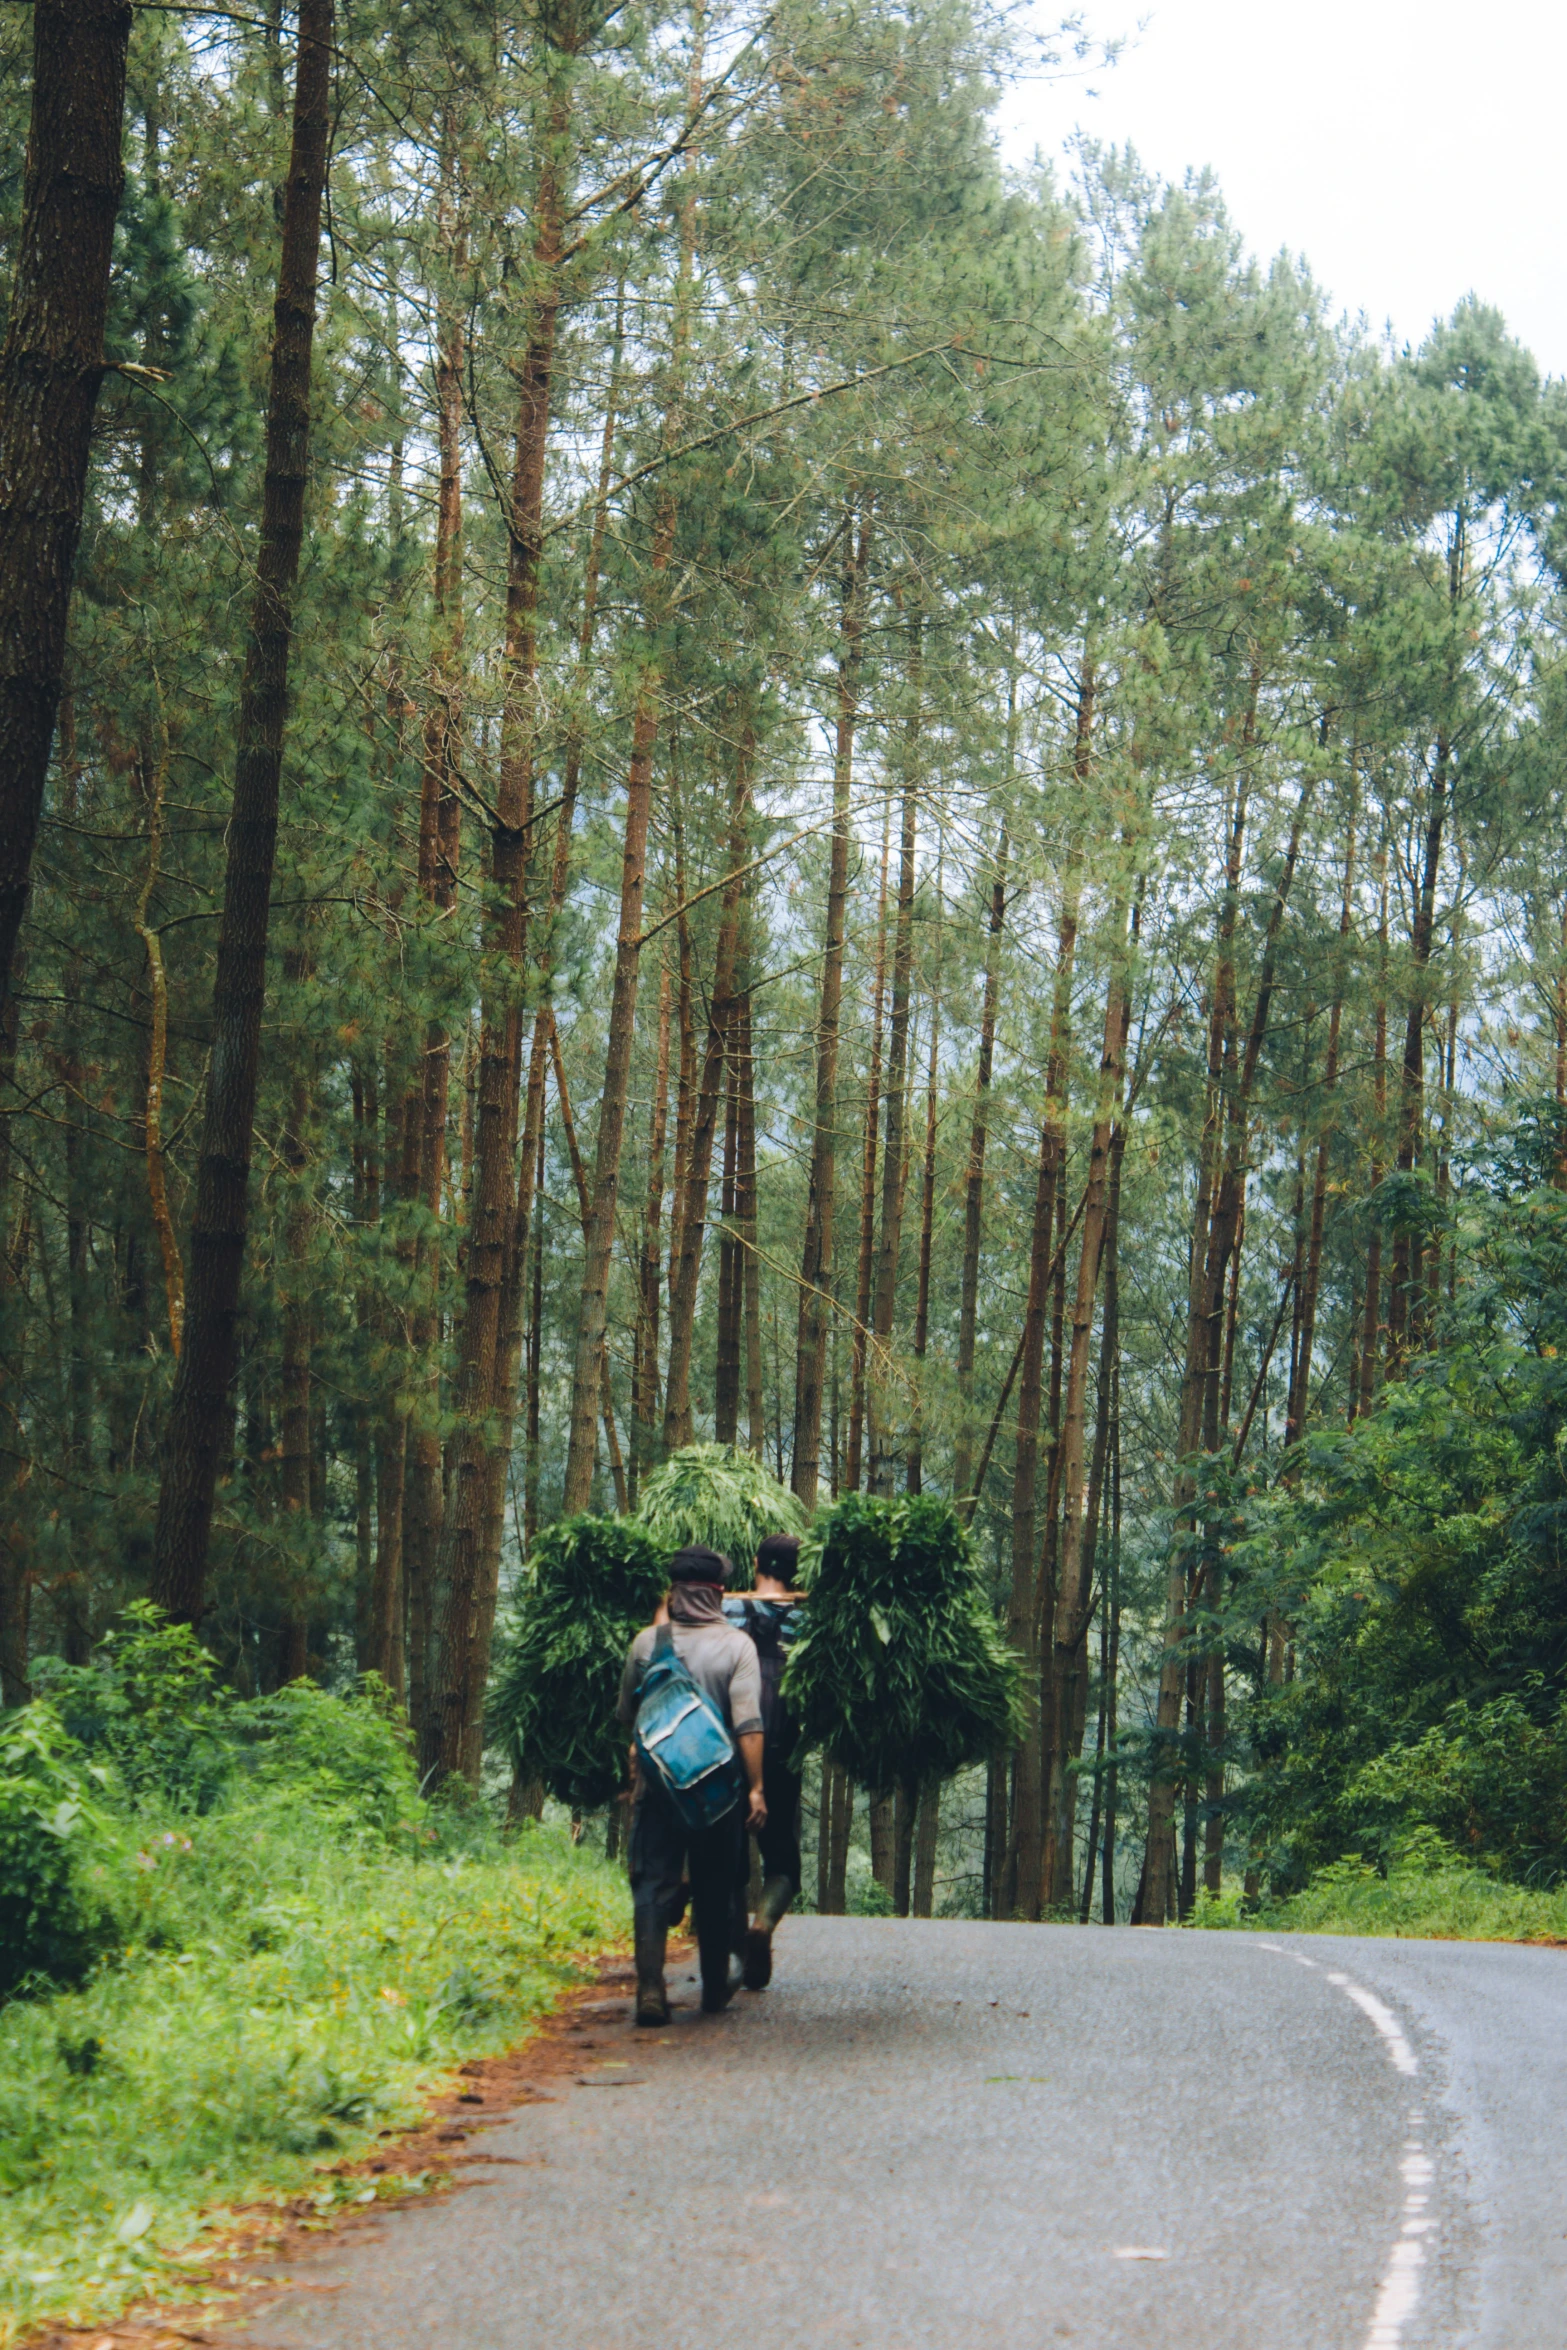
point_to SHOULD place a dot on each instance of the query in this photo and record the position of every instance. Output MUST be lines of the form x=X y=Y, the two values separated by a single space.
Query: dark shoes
x=777 y=1894
x=652 y=1999
x=718 y=1991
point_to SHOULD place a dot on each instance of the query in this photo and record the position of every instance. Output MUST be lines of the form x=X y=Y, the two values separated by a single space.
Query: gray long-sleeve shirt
x=720 y=1660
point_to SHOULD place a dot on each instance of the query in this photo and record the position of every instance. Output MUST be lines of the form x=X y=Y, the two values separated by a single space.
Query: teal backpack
x=682 y=1740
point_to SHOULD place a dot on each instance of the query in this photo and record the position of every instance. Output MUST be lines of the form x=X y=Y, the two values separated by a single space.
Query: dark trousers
x=664 y=1852
x=779 y=1841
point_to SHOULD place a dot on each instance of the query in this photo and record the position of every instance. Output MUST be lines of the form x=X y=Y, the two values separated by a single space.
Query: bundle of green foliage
x=719 y=1495
x=589 y=1585
x=901 y=1674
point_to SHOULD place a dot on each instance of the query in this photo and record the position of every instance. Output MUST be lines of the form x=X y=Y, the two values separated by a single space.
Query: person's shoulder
x=642 y=1646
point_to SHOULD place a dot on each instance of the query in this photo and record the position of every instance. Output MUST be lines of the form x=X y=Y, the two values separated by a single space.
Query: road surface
x=944 y=2136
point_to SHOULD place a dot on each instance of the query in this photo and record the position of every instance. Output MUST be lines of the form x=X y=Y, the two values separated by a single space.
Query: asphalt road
x=952 y=2136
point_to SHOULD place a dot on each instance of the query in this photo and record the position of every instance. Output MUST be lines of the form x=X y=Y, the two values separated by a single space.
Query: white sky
x=1410 y=149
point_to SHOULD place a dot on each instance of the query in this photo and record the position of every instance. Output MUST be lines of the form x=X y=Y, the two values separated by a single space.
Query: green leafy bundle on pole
x=589 y=1586
x=720 y=1495
x=902 y=1673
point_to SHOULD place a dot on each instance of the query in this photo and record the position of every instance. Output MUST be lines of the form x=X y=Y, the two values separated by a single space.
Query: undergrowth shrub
x=53 y=1917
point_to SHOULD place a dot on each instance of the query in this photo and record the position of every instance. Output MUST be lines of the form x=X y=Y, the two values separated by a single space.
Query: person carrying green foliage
x=667 y=1845
x=769 y=1616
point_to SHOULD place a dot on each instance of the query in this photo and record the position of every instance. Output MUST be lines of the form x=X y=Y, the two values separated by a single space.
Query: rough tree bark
x=51 y=366
x=699 y=1158
x=860 y=1332
x=878 y=1392
x=201 y=1409
x=446 y=1734
x=816 y=1260
x=974 y=1184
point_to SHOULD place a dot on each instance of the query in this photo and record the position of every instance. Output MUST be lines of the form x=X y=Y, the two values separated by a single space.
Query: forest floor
x=950 y=2132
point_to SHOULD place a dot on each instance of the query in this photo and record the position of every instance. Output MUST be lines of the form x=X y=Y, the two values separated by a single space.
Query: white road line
x=1398 y=2295
x=1385 y=2020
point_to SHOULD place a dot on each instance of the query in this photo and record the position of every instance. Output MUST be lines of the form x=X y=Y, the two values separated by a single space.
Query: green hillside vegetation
x=265 y=1946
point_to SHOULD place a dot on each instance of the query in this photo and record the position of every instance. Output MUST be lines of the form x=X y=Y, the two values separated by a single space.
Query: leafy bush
x=590 y=1584
x=720 y=1495
x=150 y=1706
x=51 y=1824
x=347 y=1760
x=1487 y=1779
x=1424 y=1889
x=901 y=1672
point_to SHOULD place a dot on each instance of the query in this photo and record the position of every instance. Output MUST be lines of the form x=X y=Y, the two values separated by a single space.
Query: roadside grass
x=281 y=1993
x=1428 y=1892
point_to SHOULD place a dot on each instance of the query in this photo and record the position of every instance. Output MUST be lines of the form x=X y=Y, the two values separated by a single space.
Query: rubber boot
x=652 y=1999
x=777 y=1894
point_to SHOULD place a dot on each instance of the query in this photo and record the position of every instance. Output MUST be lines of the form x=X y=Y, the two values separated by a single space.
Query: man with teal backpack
x=692 y=1695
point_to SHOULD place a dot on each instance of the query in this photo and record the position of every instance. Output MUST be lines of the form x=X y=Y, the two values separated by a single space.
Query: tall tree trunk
x=859 y=1339
x=584 y=1202
x=440 y=835
x=678 y=1427
x=816 y=1264
x=884 y=1841
x=295 y=1300
x=644 y=1408
x=926 y=1830
x=726 y=1364
x=1221 y=1199
x=1113 y=1607
x=154 y=782
x=879 y=1390
x=1021 y=1884
x=745 y=1217
x=1311 y=1280
x=685 y=1029
x=1076 y=1555
x=16 y=1571
x=842 y=1827
x=201 y=1409
x=974 y=1186
x=1404 y=1315
x=916 y=1461
x=51 y=365
x=1372 y=1328
x=533 y=1462
x=446 y=1734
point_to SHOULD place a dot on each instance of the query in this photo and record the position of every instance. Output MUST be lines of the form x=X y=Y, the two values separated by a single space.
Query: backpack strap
x=663 y=1639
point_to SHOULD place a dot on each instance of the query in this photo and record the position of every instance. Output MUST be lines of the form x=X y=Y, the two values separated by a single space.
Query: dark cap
x=778 y=1555
x=697 y=1564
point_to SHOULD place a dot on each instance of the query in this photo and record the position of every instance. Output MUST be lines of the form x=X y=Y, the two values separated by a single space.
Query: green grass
x=281 y=1994
x=1428 y=1893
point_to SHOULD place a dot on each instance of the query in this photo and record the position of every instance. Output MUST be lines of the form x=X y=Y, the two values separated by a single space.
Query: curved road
x=950 y=2135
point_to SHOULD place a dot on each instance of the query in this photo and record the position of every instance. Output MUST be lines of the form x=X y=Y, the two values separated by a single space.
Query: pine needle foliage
x=901 y=1673
x=721 y=1495
x=589 y=1586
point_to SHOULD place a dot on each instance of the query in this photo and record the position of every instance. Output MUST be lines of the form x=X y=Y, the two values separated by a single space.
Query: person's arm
x=750 y=1743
